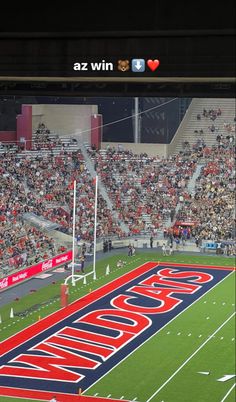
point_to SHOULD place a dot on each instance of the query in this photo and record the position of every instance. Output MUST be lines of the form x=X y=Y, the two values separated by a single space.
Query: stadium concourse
x=140 y=196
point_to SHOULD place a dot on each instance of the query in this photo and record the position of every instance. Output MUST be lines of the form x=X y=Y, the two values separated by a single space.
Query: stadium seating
x=147 y=193
x=190 y=127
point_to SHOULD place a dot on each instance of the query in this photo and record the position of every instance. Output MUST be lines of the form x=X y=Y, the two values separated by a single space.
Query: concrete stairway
x=192 y=181
x=90 y=166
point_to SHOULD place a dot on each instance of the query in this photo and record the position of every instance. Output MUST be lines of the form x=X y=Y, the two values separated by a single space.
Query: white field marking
x=231 y=389
x=190 y=357
x=204 y=301
x=168 y=333
x=226 y=377
x=96 y=394
x=135 y=399
x=122 y=397
x=204 y=372
x=189 y=334
x=207 y=318
x=108 y=396
x=190 y=305
x=179 y=333
x=214 y=302
x=221 y=338
x=232 y=339
x=223 y=304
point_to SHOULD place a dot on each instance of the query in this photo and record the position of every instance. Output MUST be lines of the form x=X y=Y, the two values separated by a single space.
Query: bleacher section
x=139 y=195
x=191 y=124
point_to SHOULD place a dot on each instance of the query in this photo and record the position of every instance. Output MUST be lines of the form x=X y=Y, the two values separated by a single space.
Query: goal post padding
x=64 y=295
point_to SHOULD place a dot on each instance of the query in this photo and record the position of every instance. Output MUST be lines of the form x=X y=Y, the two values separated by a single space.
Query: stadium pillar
x=64 y=295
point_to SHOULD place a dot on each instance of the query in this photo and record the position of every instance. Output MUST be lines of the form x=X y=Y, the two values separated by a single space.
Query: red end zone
x=40 y=326
x=60 y=315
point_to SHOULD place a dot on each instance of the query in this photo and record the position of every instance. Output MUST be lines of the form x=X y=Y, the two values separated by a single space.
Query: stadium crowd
x=145 y=192
x=44 y=186
x=212 y=206
x=142 y=186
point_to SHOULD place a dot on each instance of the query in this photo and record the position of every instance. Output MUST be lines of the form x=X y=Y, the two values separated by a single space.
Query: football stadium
x=117 y=249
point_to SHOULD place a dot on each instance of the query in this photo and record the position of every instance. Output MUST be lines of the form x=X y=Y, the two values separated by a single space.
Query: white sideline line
x=190 y=357
x=228 y=392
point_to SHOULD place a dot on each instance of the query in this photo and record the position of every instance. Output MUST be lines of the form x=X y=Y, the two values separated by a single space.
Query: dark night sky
x=119 y=16
x=111 y=108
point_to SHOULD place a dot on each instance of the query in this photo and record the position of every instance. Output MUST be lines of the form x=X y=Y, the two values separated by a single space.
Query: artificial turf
x=142 y=373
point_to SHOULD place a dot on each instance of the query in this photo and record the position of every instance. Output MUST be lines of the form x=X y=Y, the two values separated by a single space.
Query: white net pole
x=95 y=227
x=73 y=246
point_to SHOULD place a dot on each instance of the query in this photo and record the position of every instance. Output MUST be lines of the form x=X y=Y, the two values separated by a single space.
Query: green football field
x=191 y=359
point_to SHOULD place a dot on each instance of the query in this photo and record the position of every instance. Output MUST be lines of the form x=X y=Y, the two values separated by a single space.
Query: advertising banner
x=27 y=273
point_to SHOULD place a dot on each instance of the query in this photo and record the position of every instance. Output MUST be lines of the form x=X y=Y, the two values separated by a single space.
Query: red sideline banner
x=27 y=273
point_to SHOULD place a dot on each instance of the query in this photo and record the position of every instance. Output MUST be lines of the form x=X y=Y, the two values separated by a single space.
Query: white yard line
x=190 y=357
x=231 y=389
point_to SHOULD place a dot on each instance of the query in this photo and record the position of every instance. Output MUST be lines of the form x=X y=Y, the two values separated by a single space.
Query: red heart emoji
x=153 y=64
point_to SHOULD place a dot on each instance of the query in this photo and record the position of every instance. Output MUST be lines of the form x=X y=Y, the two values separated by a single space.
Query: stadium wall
x=150 y=149
x=24 y=126
x=65 y=120
x=7 y=136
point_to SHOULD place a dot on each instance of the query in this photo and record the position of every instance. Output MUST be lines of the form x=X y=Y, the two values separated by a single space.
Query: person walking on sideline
x=164 y=253
x=82 y=259
x=151 y=242
x=129 y=250
x=133 y=251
